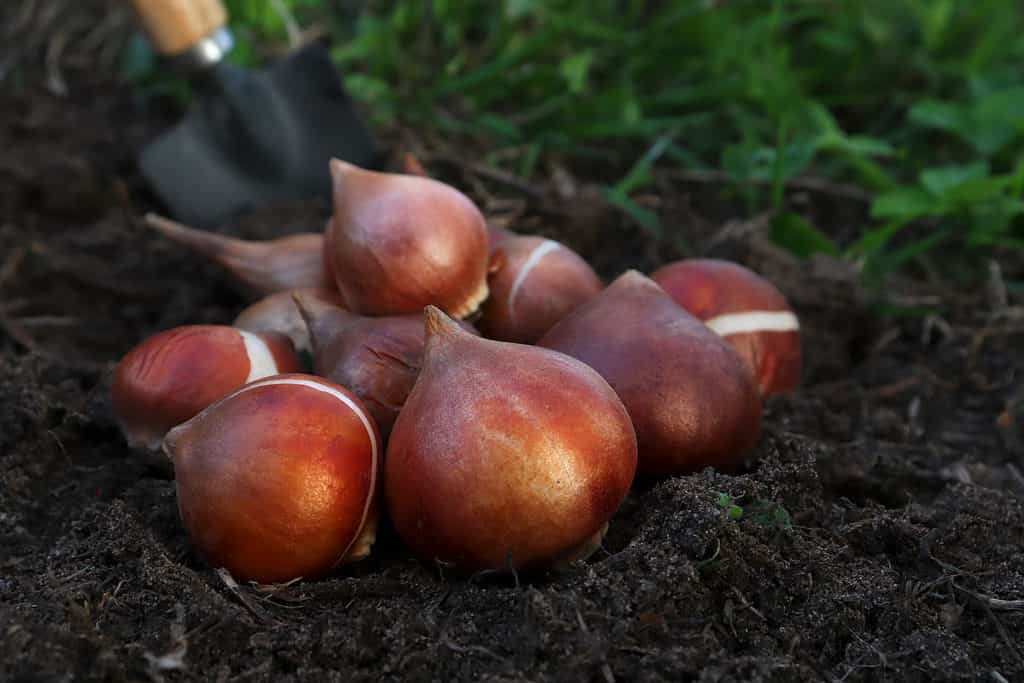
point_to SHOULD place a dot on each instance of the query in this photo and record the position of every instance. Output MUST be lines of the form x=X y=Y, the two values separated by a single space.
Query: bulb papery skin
x=744 y=308
x=505 y=455
x=278 y=313
x=279 y=480
x=261 y=268
x=400 y=242
x=692 y=401
x=171 y=376
x=377 y=358
x=535 y=282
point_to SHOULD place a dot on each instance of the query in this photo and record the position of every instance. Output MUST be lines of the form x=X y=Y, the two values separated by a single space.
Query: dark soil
x=882 y=534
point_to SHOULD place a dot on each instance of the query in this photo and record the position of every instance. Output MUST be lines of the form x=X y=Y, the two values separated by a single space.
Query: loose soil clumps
x=878 y=532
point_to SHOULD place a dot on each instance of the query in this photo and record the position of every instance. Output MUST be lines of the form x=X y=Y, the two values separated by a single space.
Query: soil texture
x=882 y=527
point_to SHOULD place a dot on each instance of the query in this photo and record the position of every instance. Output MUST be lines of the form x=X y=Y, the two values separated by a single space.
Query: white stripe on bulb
x=261 y=360
x=753 y=321
x=542 y=249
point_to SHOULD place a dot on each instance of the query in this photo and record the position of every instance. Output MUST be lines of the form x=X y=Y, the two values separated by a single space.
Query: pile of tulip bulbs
x=484 y=389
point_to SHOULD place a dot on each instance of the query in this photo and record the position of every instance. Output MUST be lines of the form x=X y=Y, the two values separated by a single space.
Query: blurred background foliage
x=914 y=108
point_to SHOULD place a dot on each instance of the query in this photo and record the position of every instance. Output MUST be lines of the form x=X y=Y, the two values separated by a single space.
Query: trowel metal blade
x=261 y=136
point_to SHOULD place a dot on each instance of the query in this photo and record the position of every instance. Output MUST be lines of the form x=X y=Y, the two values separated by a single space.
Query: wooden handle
x=176 y=25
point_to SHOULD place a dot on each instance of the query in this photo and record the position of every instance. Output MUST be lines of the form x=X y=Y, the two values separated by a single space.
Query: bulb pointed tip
x=433 y=314
x=339 y=168
x=341 y=177
x=634 y=278
x=323 y=319
x=437 y=322
x=172 y=441
x=163 y=224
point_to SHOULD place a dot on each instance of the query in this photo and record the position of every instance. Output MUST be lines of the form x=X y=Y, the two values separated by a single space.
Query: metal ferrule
x=209 y=51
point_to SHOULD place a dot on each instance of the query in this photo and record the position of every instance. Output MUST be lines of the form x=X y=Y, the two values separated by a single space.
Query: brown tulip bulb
x=400 y=242
x=744 y=308
x=377 y=358
x=505 y=455
x=291 y=262
x=692 y=401
x=278 y=480
x=534 y=283
x=278 y=313
x=173 y=375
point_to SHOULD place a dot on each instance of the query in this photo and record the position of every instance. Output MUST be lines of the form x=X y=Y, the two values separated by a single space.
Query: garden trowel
x=250 y=137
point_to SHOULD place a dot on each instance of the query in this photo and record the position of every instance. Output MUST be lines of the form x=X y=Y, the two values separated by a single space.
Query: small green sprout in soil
x=725 y=502
x=764 y=512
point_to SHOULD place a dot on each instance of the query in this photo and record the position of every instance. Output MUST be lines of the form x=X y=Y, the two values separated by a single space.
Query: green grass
x=918 y=102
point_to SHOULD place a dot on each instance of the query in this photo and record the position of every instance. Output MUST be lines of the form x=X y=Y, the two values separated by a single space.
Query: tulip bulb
x=378 y=358
x=290 y=262
x=744 y=308
x=692 y=401
x=278 y=313
x=173 y=375
x=505 y=455
x=400 y=242
x=534 y=283
x=278 y=480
